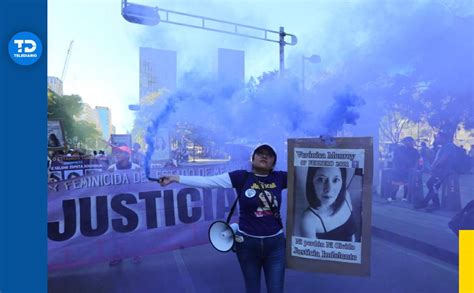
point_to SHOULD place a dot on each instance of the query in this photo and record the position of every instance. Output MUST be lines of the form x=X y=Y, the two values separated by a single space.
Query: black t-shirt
x=405 y=158
x=256 y=217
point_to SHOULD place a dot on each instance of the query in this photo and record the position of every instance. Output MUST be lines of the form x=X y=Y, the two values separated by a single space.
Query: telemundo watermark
x=25 y=48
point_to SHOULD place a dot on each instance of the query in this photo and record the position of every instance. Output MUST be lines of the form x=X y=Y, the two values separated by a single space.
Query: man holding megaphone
x=259 y=239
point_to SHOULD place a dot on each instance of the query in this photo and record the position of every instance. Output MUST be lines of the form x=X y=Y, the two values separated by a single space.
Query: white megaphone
x=222 y=235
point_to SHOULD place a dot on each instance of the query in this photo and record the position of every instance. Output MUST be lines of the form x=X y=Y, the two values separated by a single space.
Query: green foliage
x=65 y=108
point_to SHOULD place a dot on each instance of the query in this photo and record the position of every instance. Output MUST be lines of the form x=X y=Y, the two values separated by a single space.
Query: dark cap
x=265 y=147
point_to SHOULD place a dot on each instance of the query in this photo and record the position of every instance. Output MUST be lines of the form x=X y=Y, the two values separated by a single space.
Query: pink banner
x=107 y=216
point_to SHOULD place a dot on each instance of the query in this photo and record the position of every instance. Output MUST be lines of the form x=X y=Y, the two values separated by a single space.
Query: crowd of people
x=439 y=162
x=121 y=158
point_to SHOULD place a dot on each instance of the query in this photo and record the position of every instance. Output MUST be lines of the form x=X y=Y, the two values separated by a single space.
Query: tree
x=66 y=108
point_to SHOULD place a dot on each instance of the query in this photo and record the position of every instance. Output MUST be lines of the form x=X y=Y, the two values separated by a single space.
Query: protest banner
x=68 y=167
x=121 y=214
x=329 y=205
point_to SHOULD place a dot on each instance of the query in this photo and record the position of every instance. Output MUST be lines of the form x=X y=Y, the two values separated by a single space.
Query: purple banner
x=114 y=215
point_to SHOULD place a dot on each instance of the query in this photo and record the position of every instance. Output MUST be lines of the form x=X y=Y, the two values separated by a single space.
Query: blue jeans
x=267 y=253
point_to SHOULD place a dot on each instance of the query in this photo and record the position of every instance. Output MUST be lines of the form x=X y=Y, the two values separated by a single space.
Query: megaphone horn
x=222 y=235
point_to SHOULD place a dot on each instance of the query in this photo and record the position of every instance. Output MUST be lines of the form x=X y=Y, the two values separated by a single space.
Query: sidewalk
x=418 y=230
x=425 y=232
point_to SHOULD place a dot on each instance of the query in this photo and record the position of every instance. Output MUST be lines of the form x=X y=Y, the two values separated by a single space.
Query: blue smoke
x=342 y=111
x=266 y=110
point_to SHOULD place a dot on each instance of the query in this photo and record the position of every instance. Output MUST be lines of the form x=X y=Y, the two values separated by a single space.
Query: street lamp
x=140 y=14
x=312 y=59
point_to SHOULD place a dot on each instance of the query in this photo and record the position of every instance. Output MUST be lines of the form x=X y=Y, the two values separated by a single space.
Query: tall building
x=157 y=71
x=105 y=121
x=231 y=66
x=55 y=84
x=91 y=115
x=101 y=117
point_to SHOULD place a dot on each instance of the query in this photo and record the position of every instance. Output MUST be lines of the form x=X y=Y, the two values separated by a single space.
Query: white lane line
x=428 y=259
x=183 y=272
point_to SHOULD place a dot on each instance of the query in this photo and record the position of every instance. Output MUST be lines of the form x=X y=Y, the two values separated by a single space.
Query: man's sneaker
x=390 y=199
x=404 y=199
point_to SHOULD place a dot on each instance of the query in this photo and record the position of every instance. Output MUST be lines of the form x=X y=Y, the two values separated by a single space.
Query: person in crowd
x=405 y=162
x=329 y=212
x=137 y=156
x=103 y=160
x=123 y=162
x=426 y=155
x=441 y=168
x=260 y=226
x=389 y=155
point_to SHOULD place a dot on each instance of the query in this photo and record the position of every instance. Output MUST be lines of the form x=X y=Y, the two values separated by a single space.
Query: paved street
x=412 y=251
x=201 y=269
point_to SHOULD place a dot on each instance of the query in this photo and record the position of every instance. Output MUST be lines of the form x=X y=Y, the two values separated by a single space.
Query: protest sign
x=121 y=214
x=56 y=139
x=161 y=151
x=329 y=205
x=69 y=167
x=118 y=140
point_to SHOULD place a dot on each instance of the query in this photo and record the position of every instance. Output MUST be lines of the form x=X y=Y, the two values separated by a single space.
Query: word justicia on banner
x=93 y=216
x=121 y=214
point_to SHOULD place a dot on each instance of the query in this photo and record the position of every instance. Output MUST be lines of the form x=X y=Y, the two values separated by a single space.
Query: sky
x=104 y=62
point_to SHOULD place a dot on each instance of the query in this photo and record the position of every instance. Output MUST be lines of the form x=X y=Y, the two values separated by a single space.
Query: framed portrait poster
x=56 y=138
x=161 y=151
x=329 y=205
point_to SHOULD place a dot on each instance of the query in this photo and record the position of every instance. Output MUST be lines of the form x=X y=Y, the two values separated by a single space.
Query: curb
x=417 y=245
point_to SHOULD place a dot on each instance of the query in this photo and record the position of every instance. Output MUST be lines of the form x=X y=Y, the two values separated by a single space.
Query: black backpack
x=464 y=220
x=462 y=162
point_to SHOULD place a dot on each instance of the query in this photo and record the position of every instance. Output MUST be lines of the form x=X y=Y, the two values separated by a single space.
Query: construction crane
x=66 y=62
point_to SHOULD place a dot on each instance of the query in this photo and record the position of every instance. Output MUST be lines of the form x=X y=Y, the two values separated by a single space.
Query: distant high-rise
x=105 y=120
x=90 y=115
x=231 y=66
x=55 y=84
x=157 y=71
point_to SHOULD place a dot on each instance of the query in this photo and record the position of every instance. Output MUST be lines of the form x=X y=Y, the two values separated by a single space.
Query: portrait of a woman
x=329 y=213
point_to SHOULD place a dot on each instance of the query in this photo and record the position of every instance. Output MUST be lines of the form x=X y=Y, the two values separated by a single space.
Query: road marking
x=183 y=272
x=439 y=264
